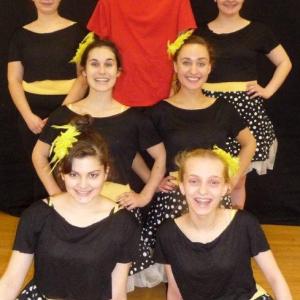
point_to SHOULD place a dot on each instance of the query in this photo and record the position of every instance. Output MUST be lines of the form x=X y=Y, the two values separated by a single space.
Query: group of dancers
x=92 y=123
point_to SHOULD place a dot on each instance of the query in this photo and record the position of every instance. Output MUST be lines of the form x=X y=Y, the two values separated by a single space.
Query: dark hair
x=193 y=39
x=89 y=143
x=98 y=43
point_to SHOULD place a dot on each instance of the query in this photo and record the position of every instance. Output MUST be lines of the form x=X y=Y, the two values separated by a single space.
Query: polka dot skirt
x=253 y=112
x=31 y=292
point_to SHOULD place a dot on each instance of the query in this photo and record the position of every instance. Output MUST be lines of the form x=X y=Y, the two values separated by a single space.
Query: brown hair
x=193 y=39
x=89 y=143
x=98 y=43
x=182 y=158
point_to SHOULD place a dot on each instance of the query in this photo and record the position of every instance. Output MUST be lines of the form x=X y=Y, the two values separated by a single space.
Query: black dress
x=236 y=63
x=218 y=270
x=126 y=134
x=74 y=262
x=183 y=129
x=45 y=58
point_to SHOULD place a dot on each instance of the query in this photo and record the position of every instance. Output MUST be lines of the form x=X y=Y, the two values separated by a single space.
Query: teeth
x=102 y=79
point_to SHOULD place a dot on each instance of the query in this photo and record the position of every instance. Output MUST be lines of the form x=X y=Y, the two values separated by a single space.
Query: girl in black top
x=190 y=120
x=207 y=252
x=126 y=130
x=39 y=73
x=81 y=244
x=238 y=43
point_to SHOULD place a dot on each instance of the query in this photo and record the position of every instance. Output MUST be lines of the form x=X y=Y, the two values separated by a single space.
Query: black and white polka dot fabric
x=31 y=292
x=254 y=113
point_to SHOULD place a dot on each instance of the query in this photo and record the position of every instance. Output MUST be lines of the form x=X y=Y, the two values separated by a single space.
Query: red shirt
x=141 y=30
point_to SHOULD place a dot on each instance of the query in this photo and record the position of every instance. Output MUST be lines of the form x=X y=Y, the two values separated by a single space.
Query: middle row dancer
x=125 y=129
x=186 y=121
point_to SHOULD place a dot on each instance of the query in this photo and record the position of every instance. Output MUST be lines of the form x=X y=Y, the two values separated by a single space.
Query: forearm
x=280 y=289
x=8 y=289
x=156 y=175
x=43 y=170
x=279 y=76
x=18 y=96
x=140 y=168
x=245 y=156
x=77 y=91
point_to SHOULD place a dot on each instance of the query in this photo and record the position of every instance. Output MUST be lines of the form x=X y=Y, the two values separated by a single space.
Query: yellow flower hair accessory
x=173 y=47
x=62 y=144
x=232 y=162
x=89 y=38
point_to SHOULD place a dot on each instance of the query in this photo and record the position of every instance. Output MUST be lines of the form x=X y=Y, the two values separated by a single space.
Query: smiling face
x=47 y=6
x=192 y=66
x=203 y=184
x=86 y=179
x=229 y=7
x=101 y=69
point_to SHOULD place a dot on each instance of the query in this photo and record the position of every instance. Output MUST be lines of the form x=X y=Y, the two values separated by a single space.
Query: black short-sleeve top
x=218 y=270
x=185 y=129
x=237 y=52
x=73 y=262
x=46 y=56
x=126 y=134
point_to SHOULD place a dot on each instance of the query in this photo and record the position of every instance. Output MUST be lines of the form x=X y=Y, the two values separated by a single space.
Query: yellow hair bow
x=61 y=145
x=89 y=38
x=232 y=162
x=173 y=47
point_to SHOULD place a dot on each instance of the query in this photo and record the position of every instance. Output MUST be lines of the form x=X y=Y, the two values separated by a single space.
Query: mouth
x=102 y=80
x=202 y=202
x=83 y=193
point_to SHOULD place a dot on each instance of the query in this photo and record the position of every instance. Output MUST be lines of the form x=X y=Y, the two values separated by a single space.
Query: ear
x=119 y=72
x=106 y=173
x=209 y=68
x=226 y=189
x=83 y=73
x=175 y=66
x=181 y=188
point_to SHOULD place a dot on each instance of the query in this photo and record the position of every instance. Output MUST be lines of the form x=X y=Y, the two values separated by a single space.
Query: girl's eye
x=192 y=181
x=214 y=182
x=108 y=64
x=201 y=64
x=94 y=63
x=94 y=175
x=72 y=174
x=186 y=63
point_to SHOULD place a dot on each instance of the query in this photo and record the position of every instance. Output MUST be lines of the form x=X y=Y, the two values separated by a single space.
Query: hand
x=131 y=200
x=234 y=181
x=35 y=123
x=168 y=184
x=255 y=90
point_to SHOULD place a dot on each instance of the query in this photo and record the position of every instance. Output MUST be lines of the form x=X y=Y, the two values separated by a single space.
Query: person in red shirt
x=141 y=30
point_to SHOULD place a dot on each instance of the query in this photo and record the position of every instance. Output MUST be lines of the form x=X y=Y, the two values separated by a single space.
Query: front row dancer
x=207 y=252
x=81 y=244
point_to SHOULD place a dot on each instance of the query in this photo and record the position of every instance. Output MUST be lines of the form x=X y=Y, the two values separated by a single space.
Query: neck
x=48 y=18
x=98 y=102
x=225 y=20
x=203 y=222
x=194 y=95
x=83 y=207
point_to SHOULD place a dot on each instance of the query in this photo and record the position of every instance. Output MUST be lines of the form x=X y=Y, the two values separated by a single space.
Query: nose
x=194 y=69
x=101 y=69
x=202 y=189
x=83 y=182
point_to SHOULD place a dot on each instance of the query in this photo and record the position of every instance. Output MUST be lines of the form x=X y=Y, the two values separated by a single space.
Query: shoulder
x=125 y=219
x=166 y=228
x=61 y=115
x=37 y=211
x=246 y=218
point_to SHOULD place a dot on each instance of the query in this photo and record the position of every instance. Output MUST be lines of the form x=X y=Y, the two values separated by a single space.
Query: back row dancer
x=237 y=43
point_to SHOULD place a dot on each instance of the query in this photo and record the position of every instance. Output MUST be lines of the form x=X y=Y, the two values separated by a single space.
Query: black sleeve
x=148 y=135
x=130 y=232
x=160 y=253
x=30 y=226
x=266 y=39
x=60 y=116
x=15 y=48
x=257 y=238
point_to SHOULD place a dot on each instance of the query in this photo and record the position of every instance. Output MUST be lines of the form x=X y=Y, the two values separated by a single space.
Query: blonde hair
x=182 y=158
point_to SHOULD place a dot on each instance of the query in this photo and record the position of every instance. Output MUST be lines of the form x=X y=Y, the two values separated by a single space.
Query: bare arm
x=281 y=60
x=119 y=281
x=12 y=280
x=270 y=269
x=140 y=168
x=77 y=91
x=40 y=161
x=15 y=73
x=173 y=292
x=132 y=200
x=248 y=146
